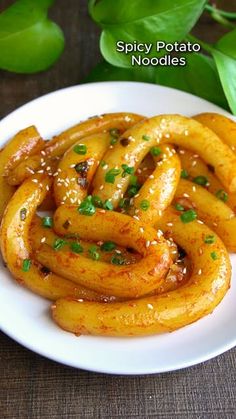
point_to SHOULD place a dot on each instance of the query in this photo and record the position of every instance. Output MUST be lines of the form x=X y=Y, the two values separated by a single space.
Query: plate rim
x=29 y=346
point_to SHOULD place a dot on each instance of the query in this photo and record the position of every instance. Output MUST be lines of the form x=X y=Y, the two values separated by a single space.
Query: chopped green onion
x=58 y=244
x=124 y=203
x=76 y=248
x=133 y=190
x=133 y=181
x=23 y=213
x=47 y=222
x=108 y=246
x=108 y=205
x=117 y=260
x=144 y=205
x=80 y=149
x=146 y=137
x=209 y=239
x=214 y=255
x=97 y=201
x=26 y=264
x=201 y=180
x=113 y=140
x=222 y=195
x=155 y=151
x=179 y=207
x=184 y=174
x=188 y=216
x=87 y=207
x=111 y=174
x=93 y=252
x=114 y=132
x=127 y=170
x=102 y=163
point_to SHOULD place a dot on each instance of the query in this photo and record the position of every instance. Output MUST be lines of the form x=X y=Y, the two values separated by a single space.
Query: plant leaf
x=224 y=55
x=149 y=21
x=29 y=41
x=199 y=77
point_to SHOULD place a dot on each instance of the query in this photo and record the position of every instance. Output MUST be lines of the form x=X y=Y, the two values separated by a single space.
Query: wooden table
x=34 y=387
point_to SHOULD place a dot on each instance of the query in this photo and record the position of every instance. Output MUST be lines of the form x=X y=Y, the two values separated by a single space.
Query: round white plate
x=26 y=318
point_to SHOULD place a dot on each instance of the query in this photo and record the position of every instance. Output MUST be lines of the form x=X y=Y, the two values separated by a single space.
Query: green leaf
x=198 y=77
x=29 y=41
x=225 y=59
x=149 y=21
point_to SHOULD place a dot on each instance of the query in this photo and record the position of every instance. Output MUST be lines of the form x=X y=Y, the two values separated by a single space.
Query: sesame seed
x=167 y=135
x=151 y=177
x=199 y=272
x=148 y=243
x=127 y=118
x=141 y=230
x=136 y=217
x=154 y=242
x=186 y=132
x=101 y=187
x=186 y=195
x=169 y=224
x=150 y=306
x=181 y=151
x=43 y=239
x=194 y=163
x=194 y=188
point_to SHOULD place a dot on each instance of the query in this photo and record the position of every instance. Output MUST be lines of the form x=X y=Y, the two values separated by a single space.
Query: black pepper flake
x=45 y=270
x=82 y=168
x=131 y=250
x=66 y=224
x=124 y=142
x=211 y=168
x=83 y=182
x=181 y=252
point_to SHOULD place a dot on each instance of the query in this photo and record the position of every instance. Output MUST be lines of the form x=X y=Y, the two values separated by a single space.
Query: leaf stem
x=227 y=15
x=204 y=45
x=220 y=16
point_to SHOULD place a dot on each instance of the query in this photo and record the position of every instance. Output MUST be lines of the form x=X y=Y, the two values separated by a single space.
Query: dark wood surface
x=34 y=387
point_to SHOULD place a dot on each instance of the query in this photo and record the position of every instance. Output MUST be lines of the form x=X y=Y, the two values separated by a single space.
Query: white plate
x=25 y=316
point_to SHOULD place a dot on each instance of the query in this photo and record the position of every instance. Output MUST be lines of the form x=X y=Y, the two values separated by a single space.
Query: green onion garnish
x=87 y=207
x=214 y=255
x=108 y=205
x=127 y=170
x=80 y=149
x=209 y=239
x=188 y=216
x=144 y=205
x=76 y=248
x=47 y=222
x=111 y=174
x=179 y=207
x=108 y=246
x=23 y=213
x=58 y=244
x=93 y=252
x=117 y=260
x=201 y=180
x=222 y=195
x=26 y=264
x=155 y=151
x=184 y=174
x=146 y=137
